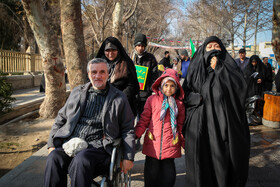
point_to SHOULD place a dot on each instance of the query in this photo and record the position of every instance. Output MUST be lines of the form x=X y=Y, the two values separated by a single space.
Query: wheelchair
x=115 y=177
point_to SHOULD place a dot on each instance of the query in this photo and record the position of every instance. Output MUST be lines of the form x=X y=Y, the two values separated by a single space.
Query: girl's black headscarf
x=216 y=130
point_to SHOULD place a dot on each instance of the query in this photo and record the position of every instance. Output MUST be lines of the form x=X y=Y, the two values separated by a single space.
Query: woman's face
x=169 y=88
x=111 y=54
x=254 y=62
x=213 y=45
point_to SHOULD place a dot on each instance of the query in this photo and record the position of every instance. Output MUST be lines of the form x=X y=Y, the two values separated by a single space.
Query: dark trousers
x=86 y=165
x=159 y=173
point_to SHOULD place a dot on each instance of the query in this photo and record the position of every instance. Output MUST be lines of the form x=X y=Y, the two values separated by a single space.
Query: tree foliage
x=12 y=27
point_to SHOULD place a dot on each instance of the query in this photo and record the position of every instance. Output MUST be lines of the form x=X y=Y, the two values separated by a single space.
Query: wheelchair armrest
x=117 y=142
x=116 y=145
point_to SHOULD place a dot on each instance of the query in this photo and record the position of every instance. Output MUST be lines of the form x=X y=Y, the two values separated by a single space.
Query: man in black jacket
x=166 y=60
x=95 y=115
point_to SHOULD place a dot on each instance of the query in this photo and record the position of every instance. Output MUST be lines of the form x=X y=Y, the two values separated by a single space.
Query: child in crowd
x=162 y=119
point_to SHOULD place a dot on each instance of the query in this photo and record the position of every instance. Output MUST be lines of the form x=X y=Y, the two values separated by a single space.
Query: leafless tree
x=98 y=15
x=276 y=30
x=40 y=18
x=262 y=17
x=73 y=41
x=214 y=17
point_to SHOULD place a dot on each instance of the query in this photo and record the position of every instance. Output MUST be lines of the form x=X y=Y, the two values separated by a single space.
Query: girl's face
x=169 y=88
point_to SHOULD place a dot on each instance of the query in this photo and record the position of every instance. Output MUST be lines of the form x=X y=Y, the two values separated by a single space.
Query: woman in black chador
x=216 y=130
x=122 y=70
x=254 y=74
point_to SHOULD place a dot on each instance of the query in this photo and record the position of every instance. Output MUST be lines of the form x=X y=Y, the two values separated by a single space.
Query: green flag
x=192 y=48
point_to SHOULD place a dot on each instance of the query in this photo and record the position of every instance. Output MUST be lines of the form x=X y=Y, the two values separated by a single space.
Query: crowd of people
x=195 y=103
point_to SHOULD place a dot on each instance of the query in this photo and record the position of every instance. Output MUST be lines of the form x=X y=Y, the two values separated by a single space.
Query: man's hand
x=259 y=81
x=213 y=62
x=51 y=149
x=127 y=165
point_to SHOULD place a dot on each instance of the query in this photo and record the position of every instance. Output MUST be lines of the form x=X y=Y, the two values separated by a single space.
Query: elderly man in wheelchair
x=88 y=129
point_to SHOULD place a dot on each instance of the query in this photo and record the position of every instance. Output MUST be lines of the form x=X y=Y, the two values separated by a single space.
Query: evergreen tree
x=5 y=95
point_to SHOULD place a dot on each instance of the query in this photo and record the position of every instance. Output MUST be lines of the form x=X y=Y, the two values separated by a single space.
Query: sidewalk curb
x=33 y=166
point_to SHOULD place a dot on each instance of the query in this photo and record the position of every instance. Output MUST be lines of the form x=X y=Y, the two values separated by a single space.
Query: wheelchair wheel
x=118 y=179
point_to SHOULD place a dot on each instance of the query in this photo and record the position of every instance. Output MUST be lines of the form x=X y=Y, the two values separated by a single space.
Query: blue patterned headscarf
x=169 y=102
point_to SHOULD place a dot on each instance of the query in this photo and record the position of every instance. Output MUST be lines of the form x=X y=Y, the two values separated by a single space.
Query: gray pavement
x=264 y=168
x=26 y=95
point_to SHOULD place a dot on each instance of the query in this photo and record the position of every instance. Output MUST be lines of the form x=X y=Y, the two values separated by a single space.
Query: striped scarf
x=169 y=102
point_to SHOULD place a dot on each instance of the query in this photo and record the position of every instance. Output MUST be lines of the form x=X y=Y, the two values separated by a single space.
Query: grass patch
x=8 y=145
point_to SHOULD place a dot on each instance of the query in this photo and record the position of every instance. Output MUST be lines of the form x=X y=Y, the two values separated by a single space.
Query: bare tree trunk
x=276 y=30
x=73 y=41
x=52 y=63
x=245 y=30
x=117 y=19
x=232 y=45
x=256 y=27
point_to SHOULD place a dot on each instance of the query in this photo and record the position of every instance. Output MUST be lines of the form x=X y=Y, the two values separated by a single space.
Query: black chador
x=216 y=130
x=252 y=74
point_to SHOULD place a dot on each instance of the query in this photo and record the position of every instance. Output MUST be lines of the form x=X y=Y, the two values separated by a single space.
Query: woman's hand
x=213 y=62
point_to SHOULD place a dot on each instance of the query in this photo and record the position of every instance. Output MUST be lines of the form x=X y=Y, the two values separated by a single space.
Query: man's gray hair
x=97 y=61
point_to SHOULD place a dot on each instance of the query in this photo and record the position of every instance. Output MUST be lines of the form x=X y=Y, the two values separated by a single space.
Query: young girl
x=162 y=119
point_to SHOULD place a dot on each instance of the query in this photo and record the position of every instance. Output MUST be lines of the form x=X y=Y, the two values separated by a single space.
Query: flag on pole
x=192 y=48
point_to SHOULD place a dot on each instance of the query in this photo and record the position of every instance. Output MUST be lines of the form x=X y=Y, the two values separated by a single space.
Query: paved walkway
x=26 y=95
x=264 y=168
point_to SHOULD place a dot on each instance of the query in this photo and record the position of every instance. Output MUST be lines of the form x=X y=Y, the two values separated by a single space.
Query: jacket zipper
x=160 y=152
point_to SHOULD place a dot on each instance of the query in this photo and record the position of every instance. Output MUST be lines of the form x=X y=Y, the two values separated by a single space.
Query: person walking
x=216 y=131
x=176 y=65
x=143 y=58
x=122 y=70
x=165 y=61
x=185 y=62
x=242 y=61
x=268 y=72
x=162 y=120
x=254 y=74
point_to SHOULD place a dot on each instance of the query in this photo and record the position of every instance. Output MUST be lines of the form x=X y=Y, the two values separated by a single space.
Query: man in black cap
x=242 y=61
x=141 y=57
x=185 y=62
x=166 y=60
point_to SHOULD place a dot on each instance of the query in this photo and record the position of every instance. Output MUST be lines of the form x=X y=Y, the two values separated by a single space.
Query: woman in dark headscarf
x=122 y=70
x=254 y=75
x=216 y=130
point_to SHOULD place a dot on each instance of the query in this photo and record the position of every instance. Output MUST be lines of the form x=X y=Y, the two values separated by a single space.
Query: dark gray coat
x=117 y=119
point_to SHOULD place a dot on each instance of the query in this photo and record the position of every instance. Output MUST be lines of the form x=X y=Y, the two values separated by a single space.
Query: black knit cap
x=140 y=39
x=242 y=50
